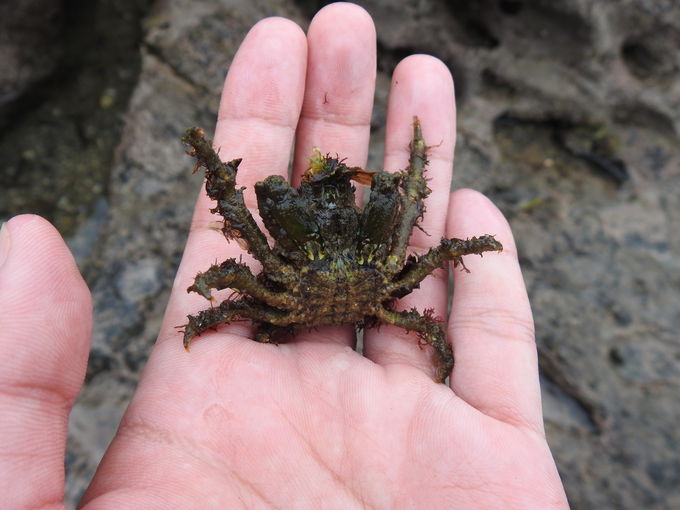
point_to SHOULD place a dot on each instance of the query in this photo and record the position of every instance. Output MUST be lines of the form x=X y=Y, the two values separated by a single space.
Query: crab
x=330 y=262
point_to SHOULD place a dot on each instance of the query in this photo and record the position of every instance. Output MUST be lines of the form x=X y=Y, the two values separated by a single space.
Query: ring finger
x=421 y=86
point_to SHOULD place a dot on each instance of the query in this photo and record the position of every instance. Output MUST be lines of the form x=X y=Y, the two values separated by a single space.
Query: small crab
x=331 y=262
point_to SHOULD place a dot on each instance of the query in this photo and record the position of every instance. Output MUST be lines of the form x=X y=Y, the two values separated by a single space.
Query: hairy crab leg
x=417 y=268
x=221 y=186
x=430 y=331
x=234 y=275
x=415 y=190
x=229 y=311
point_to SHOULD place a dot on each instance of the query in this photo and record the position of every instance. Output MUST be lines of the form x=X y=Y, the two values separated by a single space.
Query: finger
x=45 y=328
x=336 y=113
x=422 y=86
x=491 y=325
x=258 y=114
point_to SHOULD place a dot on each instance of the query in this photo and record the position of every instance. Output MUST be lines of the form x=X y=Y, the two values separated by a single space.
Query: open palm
x=310 y=423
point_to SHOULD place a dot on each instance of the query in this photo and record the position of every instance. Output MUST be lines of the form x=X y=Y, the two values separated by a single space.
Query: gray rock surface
x=569 y=118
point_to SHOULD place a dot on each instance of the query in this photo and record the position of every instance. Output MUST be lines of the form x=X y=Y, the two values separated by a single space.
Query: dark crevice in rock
x=593 y=143
x=474 y=24
x=497 y=85
x=649 y=56
x=552 y=370
x=645 y=116
x=159 y=55
x=510 y=7
x=310 y=7
x=30 y=44
x=478 y=35
x=538 y=28
x=65 y=126
x=638 y=58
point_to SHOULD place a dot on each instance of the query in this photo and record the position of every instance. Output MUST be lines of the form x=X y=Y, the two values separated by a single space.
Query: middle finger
x=336 y=111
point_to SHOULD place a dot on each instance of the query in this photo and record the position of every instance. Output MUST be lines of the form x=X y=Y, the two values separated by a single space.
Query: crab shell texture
x=331 y=262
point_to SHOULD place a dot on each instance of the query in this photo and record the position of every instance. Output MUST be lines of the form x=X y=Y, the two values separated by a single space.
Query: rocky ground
x=569 y=117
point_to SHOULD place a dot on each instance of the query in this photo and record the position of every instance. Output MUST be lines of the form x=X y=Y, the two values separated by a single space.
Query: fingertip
x=339 y=87
x=426 y=74
x=425 y=64
x=345 y=12
x=21 y=219
x=281 y=35
x=28 y=223
x=280 y=26
x=46 y=321
x=36 y=242
x=342 y=66
x=421 y=86
x=472 y=213
x=266 y=77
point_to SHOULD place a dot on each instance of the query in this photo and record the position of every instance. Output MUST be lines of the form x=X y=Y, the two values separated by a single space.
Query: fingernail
x=4 y=243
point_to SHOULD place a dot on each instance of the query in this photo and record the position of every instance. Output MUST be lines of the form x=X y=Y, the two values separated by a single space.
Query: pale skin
x=311 y=423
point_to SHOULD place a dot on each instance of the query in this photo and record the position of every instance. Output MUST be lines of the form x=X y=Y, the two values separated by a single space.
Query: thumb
x=45 y=326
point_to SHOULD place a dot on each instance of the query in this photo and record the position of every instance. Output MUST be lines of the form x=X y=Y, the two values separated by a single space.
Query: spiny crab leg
x=415 y=190
x=233 y=275
x=417 y=268
x=221 y=186
x=229 y=311
x=430 y=331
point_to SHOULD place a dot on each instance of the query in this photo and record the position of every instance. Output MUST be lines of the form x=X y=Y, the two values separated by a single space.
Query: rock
x=29 y=47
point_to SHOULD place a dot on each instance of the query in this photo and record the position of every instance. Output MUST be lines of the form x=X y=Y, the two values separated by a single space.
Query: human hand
x=310 y=423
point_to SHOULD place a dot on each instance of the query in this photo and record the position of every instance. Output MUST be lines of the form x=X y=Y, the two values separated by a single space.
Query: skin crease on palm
x=310 y=423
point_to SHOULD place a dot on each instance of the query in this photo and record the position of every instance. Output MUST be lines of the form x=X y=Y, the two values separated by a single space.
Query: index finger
x=259 y=111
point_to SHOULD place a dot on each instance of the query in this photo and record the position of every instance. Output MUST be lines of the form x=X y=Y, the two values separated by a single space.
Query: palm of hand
x=254 y=426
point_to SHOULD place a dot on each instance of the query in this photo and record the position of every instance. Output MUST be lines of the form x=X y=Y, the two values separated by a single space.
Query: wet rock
x=66 y=72
x=29 y=47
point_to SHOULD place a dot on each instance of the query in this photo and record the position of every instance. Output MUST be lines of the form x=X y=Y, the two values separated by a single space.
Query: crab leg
x=414 y=192
x=221 y=186
x=430 y=332
x=233 y=275
x=417 y=268
x=229 y=311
